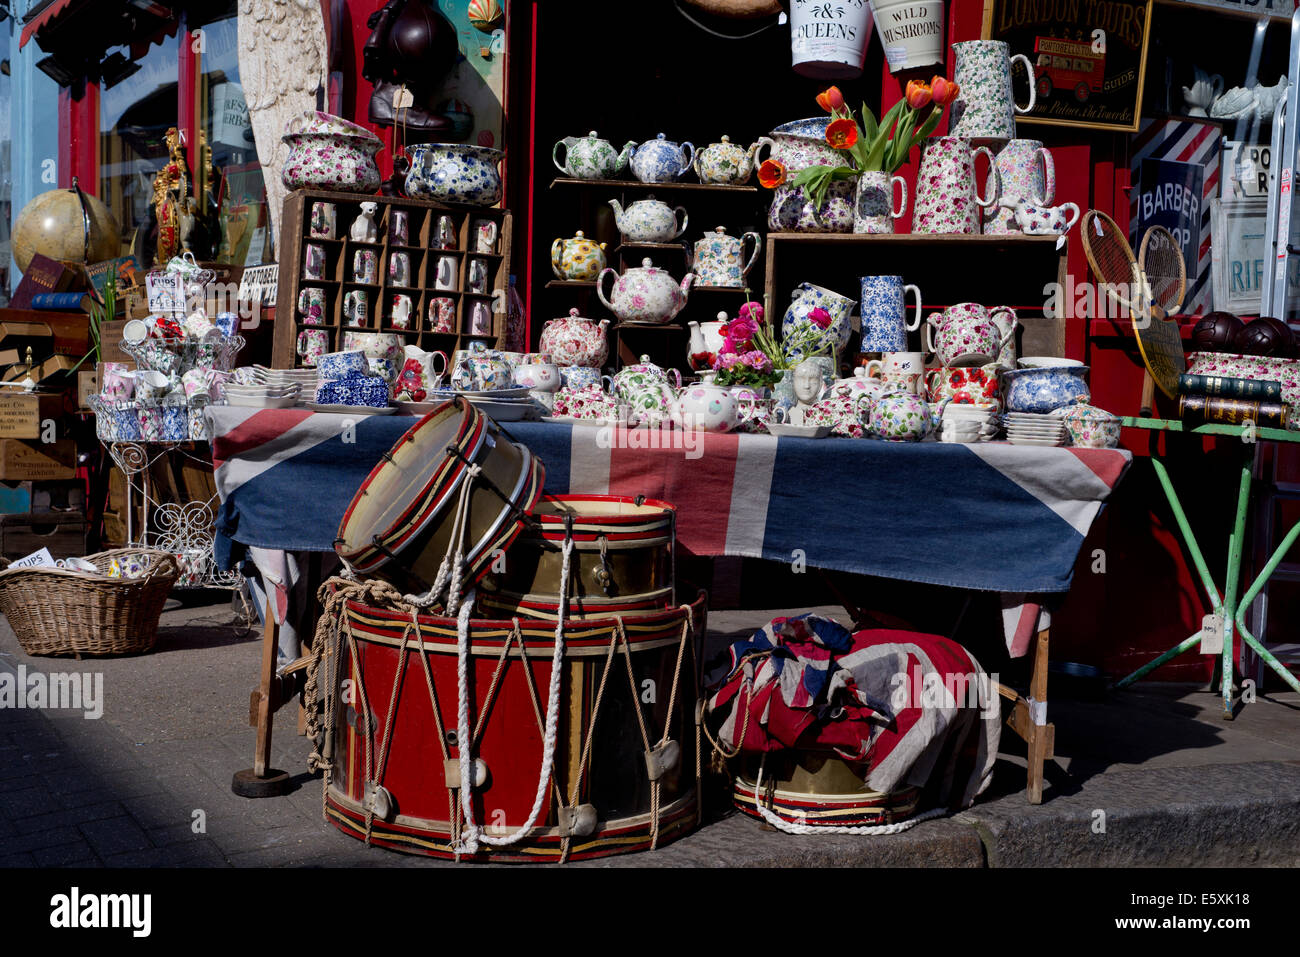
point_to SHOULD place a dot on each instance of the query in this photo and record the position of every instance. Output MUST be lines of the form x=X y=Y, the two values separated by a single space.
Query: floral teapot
x=575 y=341
x=648 y=389
x=719 y=259
x=648 y=221
x=590 y=157
x=645 y=294
x=579 y=259
x=900 y=416
x=661 y=160
x=725 y=163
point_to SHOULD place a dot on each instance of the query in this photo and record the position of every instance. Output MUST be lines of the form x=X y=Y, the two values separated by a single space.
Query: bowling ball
x=1215 y=332
x=1265 y=336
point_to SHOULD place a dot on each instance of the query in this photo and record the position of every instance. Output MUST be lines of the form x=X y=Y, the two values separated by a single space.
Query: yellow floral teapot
x=579 y=259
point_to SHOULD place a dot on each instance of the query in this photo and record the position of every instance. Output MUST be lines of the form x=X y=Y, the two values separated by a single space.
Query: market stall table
x=987 y=517
x=1230 y=609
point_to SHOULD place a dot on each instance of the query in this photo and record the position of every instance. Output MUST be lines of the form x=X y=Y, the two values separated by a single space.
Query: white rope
x=450 y=570
x=472 y=833
x=790 y=828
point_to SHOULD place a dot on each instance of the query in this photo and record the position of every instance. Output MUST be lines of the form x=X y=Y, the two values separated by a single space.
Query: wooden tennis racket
x=1160 y=261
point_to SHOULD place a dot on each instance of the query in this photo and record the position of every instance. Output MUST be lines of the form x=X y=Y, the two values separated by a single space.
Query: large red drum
x=818 y=790
x=601 y=799
x=401 y=523
x=622 y=562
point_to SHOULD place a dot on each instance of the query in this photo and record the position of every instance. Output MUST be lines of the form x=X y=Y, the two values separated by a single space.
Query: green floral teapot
x=590 y=157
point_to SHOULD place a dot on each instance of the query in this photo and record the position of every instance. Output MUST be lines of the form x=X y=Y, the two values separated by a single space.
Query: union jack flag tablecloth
x=988 y=516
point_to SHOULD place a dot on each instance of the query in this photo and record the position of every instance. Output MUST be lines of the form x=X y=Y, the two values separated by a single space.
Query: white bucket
x=911 y=31
x=828 y=40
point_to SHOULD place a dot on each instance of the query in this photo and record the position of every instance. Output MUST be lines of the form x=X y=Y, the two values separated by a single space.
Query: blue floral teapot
x=661 y=160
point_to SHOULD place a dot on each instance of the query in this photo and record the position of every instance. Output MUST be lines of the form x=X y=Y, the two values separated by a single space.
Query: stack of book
x=1206 y=399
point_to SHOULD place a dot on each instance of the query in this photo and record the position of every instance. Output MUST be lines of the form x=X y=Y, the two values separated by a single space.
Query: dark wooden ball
x=1215 y=331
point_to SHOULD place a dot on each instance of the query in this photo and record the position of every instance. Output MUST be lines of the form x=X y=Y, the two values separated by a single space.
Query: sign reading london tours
x=1089 y=57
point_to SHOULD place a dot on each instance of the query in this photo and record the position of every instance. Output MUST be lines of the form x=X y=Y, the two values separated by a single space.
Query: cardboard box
x=88 y=381
x=20 y=459
x=63 y=534
x=110 y=344
x=17 y=498
x=23 y=414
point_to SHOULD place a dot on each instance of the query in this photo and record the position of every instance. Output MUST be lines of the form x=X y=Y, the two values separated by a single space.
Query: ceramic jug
x=946 y=196
x=798 y=144
x=575 y=341
x=884 y=313
x=797 y=322
x=649 y=221
x=706 y=338
x=645 y=294
x=791 y=212
x=873 y=203
x=590 y=157
x=1025 y=171
x=578 y=259
x=661 y=160
x=985 y=108
x=725 y=163
x=719 y=259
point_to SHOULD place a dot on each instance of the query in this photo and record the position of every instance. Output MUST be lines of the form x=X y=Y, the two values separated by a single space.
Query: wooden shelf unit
x=422 y=217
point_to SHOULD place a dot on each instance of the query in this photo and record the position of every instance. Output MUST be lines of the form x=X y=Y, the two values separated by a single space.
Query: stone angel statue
x=283 y=68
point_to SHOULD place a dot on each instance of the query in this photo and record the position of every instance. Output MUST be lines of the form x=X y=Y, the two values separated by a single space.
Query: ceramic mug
x=386 y=369
x=485 y=236
x=313 y=266
x=884 y=313
x=399 y=232
x=444 y=234
x=985 y=108
x=946 y=198
x=442 y=314
x=356 y=308
x=119 y=382
x=365 y=266
x=324 y=221
x=312 y=344
x=311 y=303
x=445 y=274
x=399 y=269
x=399 y=311
x=966 y=335
x=480 y=319
x=1026 y=171
x=477 y=281
x=896 y=362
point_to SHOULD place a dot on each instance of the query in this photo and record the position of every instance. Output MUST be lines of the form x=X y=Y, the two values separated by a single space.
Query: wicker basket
x=57 y=611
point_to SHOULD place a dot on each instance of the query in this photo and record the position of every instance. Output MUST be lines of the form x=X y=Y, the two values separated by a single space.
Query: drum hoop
x=591 y=542
x=470 y=436
x=903 y=798
x=529 y=486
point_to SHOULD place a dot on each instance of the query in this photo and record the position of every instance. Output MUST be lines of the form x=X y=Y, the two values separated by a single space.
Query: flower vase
x=790 y=212
x=873 y=203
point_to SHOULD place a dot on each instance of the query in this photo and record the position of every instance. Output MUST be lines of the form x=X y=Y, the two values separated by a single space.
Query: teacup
x=538 y=376
x=385 y=368
x=151 y=386
x=119 y=382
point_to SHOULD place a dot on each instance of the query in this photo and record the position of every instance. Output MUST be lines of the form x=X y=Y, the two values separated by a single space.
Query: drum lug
x=379 y=801
x=451 y=771
x=604 y=577
x=662 y=758
x=577 y=821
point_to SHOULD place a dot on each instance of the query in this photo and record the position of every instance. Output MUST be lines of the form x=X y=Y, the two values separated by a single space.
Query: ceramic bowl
x=1047 y=362
x=1044 y=390
x=1091 y=427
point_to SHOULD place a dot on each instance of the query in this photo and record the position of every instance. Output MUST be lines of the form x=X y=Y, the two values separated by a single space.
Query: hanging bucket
x=911 y=31
x=828 y=41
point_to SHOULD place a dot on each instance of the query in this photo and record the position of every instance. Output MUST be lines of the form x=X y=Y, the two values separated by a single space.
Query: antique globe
x=54 y=225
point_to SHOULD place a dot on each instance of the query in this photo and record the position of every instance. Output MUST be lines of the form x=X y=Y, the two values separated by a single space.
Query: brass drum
x=401 y=521
x=622 y=562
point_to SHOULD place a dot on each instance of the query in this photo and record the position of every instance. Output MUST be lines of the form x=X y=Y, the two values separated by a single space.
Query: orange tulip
x=771 y=173
x=944 y=90
x=918 y=94
x=842 y=134
x=831 y=100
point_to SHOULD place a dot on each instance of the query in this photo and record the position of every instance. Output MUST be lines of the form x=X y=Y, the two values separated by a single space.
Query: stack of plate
x=504 y=405
x=1029 y=428
x=262 y=396
x=305 y=378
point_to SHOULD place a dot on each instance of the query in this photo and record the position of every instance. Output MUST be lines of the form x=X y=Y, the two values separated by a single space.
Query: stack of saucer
x=263 y=396
x=304 y=378
x=963 y=422
x=1029 y=428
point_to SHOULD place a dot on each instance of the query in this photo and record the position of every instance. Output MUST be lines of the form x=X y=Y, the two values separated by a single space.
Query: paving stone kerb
x=126 y=789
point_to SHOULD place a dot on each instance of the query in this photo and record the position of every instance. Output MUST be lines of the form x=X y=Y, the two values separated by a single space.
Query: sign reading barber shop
x=1088 y=58
x=1170 y=194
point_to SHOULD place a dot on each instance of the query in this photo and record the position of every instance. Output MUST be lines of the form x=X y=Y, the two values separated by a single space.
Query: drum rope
x=537 y=709
x=398 y=675
x=877 y=829
x=437 y=719
x=471 y=833
x=621 y=637
x=450 y=575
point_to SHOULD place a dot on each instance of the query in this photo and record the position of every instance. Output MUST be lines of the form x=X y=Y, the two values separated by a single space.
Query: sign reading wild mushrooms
x=1089 y=57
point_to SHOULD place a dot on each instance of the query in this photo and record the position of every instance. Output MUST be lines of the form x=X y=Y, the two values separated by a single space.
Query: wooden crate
x=63 y=533
x=423 y=219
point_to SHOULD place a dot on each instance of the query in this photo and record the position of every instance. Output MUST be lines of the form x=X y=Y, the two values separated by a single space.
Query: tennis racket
x=1113 y=262
x=1164 y=275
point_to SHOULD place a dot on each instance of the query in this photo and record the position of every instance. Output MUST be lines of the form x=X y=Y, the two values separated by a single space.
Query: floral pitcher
x=946 y=198
x=1025 y=171
x=798 y=321
x=986 y=109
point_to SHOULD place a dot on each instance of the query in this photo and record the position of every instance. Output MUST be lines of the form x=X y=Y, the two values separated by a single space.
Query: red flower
x=945 y=91
x=771 y=173
x=842 y=134
x=918 y=94
x=820 y=318
x=831 y=100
